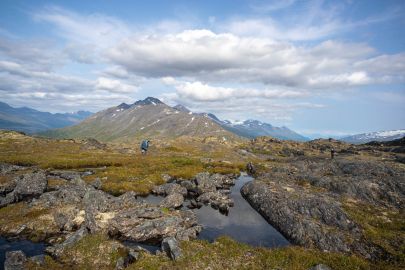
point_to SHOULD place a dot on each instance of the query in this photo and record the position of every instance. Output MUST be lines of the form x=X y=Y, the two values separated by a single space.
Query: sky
x=318 y=67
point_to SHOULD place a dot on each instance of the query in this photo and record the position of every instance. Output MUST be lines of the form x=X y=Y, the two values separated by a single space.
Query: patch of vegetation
x=226 y=253
x=56 y=182
x=36 y=220
x=383 y=227
x=49 y=264
x=95 y=251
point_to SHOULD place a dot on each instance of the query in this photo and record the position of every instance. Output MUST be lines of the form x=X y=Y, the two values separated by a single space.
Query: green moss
x=165 y=210
x=94 y=251
x=383 y=227
x=226 y=253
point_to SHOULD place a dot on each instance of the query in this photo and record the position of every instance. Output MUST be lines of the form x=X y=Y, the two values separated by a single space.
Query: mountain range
x=148 y=118
x=32 y=121
x=380 y=136
x=151 y=118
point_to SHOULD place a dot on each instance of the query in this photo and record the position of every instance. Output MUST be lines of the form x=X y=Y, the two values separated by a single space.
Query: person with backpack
x=144 y=146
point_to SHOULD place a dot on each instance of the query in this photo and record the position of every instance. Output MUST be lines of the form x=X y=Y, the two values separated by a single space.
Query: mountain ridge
x=31 y=121
x=148 y=118
x=379 y=136
x=251 y=128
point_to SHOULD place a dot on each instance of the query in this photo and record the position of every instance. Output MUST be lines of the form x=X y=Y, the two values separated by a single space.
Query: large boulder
x=309 y=220
x=26 y=187
x=30 y=185
x=150 y=225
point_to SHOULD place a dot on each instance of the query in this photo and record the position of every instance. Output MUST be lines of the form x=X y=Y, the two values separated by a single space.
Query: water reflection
x=28 y=247
x=242 y=223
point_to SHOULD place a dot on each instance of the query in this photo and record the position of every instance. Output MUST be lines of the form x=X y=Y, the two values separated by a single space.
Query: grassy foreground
x=99 y=252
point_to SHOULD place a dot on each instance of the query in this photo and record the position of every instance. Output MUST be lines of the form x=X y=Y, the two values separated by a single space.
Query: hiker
x=332 y=153
x=144 y=146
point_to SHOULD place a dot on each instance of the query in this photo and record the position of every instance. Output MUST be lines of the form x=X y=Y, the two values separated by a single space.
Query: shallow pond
x=242 y=223
x=29 y=248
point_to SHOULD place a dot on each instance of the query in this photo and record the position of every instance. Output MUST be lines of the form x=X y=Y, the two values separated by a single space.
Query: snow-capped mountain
x=254 y=128
x=250 y=128
x=380 y=136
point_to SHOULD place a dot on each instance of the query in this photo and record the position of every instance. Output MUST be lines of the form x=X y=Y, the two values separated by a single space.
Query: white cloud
x=203 y=55
x=197 y=91
x=113 y=85
x=212 y=69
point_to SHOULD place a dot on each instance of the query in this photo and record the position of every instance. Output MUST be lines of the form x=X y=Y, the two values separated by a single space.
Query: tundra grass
x=119 y=172
x=226 y=253
x=383 y=227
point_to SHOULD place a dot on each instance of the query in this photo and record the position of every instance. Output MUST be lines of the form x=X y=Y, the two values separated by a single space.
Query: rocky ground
x=315 y=201
x=83 y=199
x=58 y=207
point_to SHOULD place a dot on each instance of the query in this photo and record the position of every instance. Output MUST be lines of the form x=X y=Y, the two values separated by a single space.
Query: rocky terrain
x=83 y=198
x=64 y=214
x=314 y=200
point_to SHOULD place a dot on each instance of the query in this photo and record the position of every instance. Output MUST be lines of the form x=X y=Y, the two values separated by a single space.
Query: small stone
x=320 y=267
x=133 y=256
x=121 y=264
x=97 y=183
x=38 y=259
x=171 y=246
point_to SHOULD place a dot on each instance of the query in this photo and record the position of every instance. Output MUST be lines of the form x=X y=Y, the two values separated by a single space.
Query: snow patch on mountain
x=388 y=135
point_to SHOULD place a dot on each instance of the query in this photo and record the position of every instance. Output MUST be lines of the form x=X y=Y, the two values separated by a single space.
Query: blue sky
x=318 y=67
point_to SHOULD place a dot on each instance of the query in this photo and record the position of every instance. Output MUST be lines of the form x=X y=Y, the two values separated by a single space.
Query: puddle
x=242 y=223
x=30 y=248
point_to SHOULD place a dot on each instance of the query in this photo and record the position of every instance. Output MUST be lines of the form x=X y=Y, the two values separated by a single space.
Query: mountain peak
x=148 y=101
x=181 y=108
x=123 y=106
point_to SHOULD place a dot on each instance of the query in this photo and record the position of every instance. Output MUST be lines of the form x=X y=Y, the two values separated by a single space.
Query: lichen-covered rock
x=97 y=184
x=169 y=188
x=216 y=200
x=150 y=226
x=204 y=183
x=174 y=200
x=57 y=250
x=15 y=260
x=171 y=247
x=306 y=219
x=38 y=259
x=26 y=187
